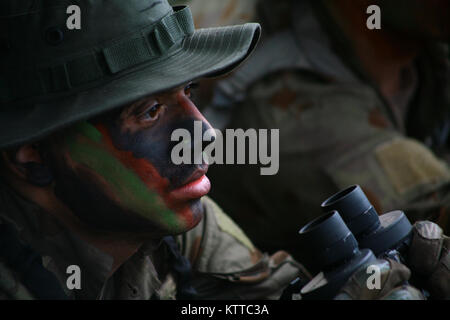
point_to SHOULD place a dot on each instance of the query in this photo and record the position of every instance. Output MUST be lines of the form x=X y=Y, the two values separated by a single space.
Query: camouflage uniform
x=335 y=130
x=225 y=264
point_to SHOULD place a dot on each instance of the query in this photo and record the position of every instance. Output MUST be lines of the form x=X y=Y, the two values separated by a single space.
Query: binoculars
x=348 y=236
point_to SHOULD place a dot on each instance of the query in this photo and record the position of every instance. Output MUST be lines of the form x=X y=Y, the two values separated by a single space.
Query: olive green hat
x=52 y=76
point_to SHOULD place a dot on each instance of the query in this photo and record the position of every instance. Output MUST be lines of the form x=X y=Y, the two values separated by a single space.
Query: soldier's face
x=115 y=172
x=426 y=19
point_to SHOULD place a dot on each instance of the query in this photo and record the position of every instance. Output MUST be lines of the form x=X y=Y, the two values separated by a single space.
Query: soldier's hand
x=429 y=259
x=387 y=282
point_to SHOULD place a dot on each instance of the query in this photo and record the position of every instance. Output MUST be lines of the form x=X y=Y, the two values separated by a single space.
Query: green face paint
x=134 y=185
x=116 y=173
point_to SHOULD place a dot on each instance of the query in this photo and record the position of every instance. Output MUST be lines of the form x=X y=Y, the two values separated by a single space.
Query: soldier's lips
x=192 y=190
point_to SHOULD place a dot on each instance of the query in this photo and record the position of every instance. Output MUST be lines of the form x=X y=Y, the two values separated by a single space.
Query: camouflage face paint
x=122 y=180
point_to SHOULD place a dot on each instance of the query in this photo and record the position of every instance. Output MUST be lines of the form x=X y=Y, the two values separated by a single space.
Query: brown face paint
x=125 y=181
x=96 y=176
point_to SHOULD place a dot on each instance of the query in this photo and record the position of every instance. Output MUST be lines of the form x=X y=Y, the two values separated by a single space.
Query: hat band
x=147 y=45
x=169 y=31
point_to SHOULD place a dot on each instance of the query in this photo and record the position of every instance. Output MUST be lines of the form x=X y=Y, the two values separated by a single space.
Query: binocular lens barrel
x=356 y=210
x=328 y=242
x=332 y=254
x=348 y=236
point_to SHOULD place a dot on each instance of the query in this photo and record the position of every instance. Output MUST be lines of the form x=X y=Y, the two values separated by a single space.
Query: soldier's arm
x=429 y=259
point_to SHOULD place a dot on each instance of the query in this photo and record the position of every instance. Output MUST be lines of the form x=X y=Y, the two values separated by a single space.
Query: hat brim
x=208 y=52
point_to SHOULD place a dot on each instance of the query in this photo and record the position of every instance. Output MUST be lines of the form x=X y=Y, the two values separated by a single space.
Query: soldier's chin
x=189 y=215
x=133 y=226
x=197 y=210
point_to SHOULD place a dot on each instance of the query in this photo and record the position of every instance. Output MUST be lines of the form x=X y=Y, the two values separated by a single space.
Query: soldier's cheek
x=138 y=183
x=132 y=184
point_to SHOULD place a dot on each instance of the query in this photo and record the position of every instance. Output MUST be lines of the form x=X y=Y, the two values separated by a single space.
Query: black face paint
x=109 y=174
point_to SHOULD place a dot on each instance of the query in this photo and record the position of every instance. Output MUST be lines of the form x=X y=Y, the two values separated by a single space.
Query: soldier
x=92 y=207
x=86 y=176
x=353 y=105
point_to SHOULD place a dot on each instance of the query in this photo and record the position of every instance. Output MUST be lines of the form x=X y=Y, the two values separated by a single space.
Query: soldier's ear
x=26 y=163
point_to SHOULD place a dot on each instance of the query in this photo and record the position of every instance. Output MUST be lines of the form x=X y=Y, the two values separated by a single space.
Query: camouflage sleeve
x=428 y=263
x=429 y=258
x=226 y=265
x=392 y=284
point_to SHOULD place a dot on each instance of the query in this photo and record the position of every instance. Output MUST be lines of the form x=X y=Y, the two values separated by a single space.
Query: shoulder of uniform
x=217 y=245
x=225 y=224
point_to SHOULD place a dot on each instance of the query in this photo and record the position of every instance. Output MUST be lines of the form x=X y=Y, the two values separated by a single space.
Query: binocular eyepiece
x=349 y=235
x=378 y=233
x=328 y=242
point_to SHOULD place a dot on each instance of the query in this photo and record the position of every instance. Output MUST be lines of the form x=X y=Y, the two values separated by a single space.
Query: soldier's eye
x=189 y=88
x=152 y=113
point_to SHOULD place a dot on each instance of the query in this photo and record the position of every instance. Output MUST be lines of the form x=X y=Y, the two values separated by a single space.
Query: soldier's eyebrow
x=134 y=108
x=137 y=107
